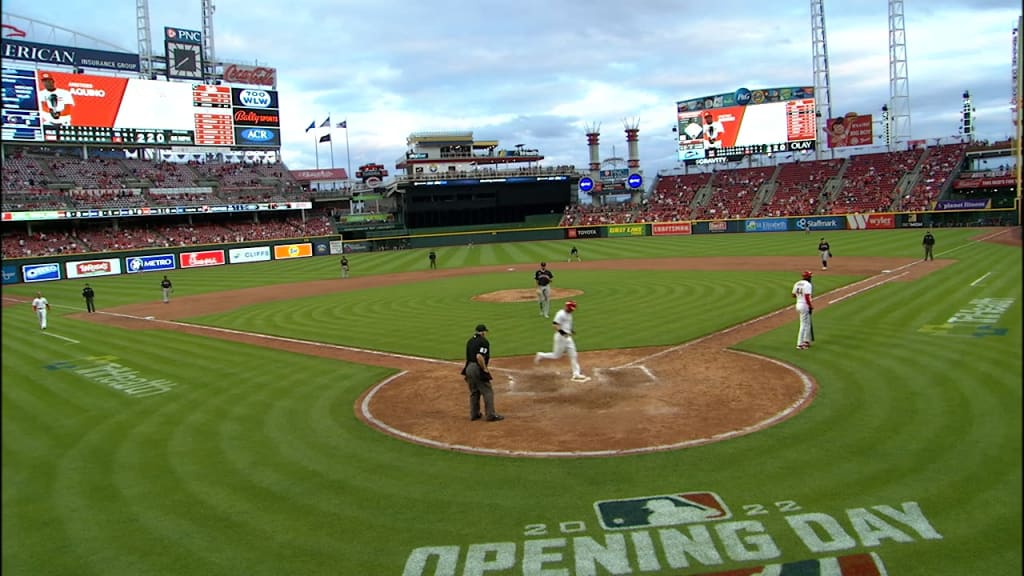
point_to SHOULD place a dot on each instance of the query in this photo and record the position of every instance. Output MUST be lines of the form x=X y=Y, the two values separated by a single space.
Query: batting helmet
x=570 y=305
x=807 y=275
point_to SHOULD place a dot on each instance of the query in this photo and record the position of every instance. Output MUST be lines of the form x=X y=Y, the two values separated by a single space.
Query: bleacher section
x=870 y=180
x=940 y=166
x=799 y=187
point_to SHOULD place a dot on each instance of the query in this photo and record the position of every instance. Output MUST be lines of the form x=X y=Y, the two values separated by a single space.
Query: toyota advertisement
x=62 y=107
x=90 y=268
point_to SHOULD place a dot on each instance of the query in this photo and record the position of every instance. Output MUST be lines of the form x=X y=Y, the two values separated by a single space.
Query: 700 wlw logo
x=689 y=530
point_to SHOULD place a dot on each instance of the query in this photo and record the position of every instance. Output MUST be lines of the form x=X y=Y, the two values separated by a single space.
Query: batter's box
x=626 y=376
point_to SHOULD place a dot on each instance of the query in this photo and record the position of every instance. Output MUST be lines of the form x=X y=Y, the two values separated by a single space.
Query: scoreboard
x=100 y=110
x=727 y=127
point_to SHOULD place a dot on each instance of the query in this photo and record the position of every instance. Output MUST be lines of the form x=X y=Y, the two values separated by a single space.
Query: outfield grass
x=254 y=463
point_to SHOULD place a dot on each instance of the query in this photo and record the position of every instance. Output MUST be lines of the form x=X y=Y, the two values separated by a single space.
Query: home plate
x=886 y=271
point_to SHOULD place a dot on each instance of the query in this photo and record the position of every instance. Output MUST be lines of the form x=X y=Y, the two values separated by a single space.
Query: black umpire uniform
x=478 y=355
x=90 y=298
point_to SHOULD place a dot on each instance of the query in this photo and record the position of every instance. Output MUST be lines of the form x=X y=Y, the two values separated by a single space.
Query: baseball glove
x=830 y=254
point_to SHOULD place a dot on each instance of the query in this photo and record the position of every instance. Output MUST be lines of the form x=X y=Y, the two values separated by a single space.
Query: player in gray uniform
x=543 y=278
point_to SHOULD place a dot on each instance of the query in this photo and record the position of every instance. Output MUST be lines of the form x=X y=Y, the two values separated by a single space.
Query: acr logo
x=662 y=510
x=257 y=135
x=255 y=98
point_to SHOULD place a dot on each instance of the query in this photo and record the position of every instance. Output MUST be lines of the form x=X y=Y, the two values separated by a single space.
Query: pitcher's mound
x=524 y=295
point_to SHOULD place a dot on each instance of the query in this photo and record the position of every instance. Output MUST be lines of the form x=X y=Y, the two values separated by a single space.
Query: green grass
x=254 y=463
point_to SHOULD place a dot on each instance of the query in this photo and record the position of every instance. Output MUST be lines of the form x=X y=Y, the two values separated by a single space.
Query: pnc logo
x=256 y=135
x=255 y=98
x=192 y=36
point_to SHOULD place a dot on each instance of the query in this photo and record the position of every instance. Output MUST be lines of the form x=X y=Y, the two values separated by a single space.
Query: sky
x=540 y=72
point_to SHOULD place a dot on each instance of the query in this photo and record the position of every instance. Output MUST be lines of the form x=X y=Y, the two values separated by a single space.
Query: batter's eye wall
x=432 y=206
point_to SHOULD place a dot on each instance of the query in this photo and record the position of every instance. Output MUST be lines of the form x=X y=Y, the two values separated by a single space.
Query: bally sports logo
x=89 y=268
x=198 y=259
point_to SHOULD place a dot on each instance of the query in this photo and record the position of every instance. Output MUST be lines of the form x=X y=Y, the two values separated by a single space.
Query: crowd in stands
x=870 y=181
x=799 y=187
x=939 y=165
x=673 y=196
x=734 y=192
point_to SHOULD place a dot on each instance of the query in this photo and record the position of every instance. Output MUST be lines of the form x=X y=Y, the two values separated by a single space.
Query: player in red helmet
x=802 y=291
x=564 y=342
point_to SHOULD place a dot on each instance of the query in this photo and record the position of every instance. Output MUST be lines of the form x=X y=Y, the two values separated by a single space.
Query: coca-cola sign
x=253 y=75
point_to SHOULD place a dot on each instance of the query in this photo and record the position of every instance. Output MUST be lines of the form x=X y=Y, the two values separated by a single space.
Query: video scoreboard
x=727 y=127
x=60 y=107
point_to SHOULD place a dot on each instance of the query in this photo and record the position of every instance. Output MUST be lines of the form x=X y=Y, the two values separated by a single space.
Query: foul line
x=72 y=340
x=978 y=281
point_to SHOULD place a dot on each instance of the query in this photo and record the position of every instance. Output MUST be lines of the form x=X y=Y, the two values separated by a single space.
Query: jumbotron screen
x=59 y=107
x=727 y=127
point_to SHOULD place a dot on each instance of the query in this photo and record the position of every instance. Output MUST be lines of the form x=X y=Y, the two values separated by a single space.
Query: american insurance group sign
x=252 y=75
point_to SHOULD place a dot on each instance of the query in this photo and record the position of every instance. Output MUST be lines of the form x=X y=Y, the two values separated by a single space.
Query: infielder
x=802 y=291
x=41 y=306
x=166 y=289
x=543 y=278
x=563 y=342
x=825 y=251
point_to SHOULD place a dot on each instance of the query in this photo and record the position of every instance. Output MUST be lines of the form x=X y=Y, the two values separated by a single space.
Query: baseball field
x=274 y=418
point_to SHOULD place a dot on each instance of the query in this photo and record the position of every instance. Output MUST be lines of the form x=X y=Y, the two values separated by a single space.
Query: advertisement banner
x=257 y=117
x=257 y=136
x=766 y=225
x=979 y=204
x=337 y=247
x=849 y=130
x=250 y=254
x=574 y=233
x=286 y=251
x=626 y=230
x=255 y=75
x=718 y=226
x=198 y=259
x=871 y=221
x=10 y=274
x=671 y=228
x=254 y=98
x=322 y=174
x=321 y=248
x=40 y=272
x=968 y=183
x=154 y=263
x=821 y=223
x=49 y=54
x=90 y=268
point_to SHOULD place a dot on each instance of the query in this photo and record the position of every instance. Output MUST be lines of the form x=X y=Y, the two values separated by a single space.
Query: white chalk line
x=51 y=334
x=979 y=280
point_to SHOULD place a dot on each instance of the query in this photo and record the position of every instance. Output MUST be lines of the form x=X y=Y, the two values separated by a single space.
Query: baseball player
x=166 y=288
x=41 y=306
x=55 y=104
x=825 y=251
x=344 y=266
x=543 y=278
x=802 y=291
x=563 y=342
x=574 y=253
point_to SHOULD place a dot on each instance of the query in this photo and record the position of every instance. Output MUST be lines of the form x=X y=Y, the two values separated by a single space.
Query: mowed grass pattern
x=254 y=462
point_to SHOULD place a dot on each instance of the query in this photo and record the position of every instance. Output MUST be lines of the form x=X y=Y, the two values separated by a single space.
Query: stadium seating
x=870 y=181
x=940 y=166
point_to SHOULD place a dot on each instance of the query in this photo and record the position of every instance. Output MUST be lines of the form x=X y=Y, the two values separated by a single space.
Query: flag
x=343 y=124
x=311 y=126
x=326 y=123
x=325 y=138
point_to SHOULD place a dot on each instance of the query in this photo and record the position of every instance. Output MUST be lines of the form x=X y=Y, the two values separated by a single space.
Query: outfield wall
x=59 y=267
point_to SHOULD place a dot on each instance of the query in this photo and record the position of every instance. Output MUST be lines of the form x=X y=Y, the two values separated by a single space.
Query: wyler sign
x=286 y=251
x=198 y=259
x=89 y=268
x=151 y=263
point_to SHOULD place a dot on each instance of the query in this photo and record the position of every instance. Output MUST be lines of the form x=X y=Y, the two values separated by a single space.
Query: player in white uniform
x=802 y=291
x=55 y=104
x=563 y=342
x=41 y=306
x=714 y=131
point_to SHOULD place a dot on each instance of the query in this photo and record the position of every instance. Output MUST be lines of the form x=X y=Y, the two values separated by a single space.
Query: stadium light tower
x=209 y=58
x=822 y=82
x=145 y=42
x=899 y=89
x=967 y=118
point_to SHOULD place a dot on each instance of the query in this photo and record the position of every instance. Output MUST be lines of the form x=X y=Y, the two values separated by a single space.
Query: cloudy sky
x=537 y=72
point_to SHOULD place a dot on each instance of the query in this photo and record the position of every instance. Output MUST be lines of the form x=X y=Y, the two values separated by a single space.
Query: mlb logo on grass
x=663 y=510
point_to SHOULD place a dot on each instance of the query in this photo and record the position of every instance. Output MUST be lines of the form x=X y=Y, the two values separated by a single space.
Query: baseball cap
x=46 y=76
x=807 y=274
x=543 y=263
x=481 y=328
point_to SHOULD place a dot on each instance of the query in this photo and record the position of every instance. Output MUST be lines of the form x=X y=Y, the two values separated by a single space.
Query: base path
x=638 y=400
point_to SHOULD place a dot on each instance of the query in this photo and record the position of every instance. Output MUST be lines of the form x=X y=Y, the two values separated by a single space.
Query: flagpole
x=329 y=132
x=348 y=154
x=316 y=144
